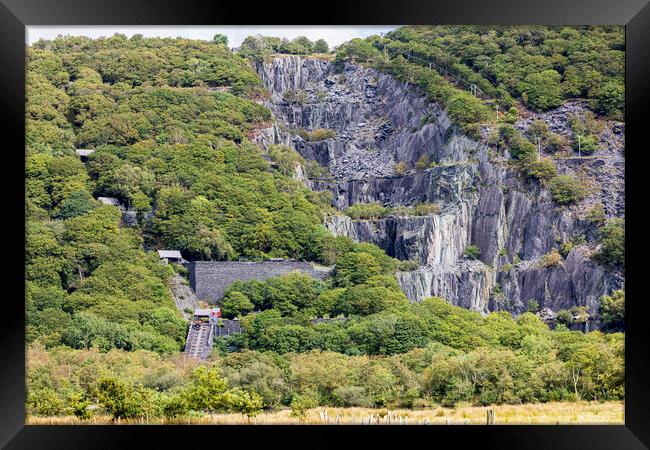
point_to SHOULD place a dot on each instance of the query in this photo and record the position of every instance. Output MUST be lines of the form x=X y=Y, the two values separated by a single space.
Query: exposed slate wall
x=210 y=279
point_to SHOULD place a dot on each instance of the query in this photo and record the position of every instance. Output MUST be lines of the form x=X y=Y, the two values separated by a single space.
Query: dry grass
x=583 y=413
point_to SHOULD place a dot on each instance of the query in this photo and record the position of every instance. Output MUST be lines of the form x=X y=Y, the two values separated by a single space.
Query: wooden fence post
x=490 y=416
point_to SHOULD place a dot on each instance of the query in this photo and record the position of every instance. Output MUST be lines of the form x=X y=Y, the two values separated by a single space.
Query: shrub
x=408 y=265
x=542 y=169
x=586 y=144
x=596 y=215
x=611 y=100
x=542 y=90
x=290 y=96
x=119 y=398
x=424 y=209
x=612 y=243
x=423 y=162
x=320 y=134
x=466 y=109
x=612 y=309
x=537 y=129
x=366 y=211
x=355 y=268
x=320 y=46
x=79 y=405
x=401 y=168
x=304 y=134
x=417 y=209
x=566 y=189
x=564 y=317
x=512 y=115
x=551 y=259
x=580 y=314
x=566 y=248
x=472 y=252
x=45 y=402
x=532 y=306
x=234 y=304
x=556 y=143
x=301 y=403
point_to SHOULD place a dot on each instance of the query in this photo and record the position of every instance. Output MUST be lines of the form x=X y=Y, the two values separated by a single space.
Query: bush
x=301 y=403
x=612 y=310
x=423 y=162
x=542 y=90
x=512 y=115
x=587 y=144
x=320 y=134
x=611 y=100
x=564 y=317
x=417 y=209
x=596 y=215
x=290 y=96
x=408 y=265
x=532 y=306
x=538 y=129
x=45 y=402
x=566 y=248
x=320 y=46
x=366 y=211
x=466 y=109
x=551 y=259
x=542 y=169
x=556 y=143
x=472 y=252
x=611 y=238
x=235 y=304
x=119 y=398
x=401 y=168
x=566 y=189
x=355 y=268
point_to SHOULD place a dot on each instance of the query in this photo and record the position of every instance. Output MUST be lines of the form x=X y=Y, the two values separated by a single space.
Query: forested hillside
x=173 y=124
x=540 y=65
x=162 y=139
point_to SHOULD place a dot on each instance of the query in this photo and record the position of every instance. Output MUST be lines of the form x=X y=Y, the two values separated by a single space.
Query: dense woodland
x=170 y=122
x=540 y=65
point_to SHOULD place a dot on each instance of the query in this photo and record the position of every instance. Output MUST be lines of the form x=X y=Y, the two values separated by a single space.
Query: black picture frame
x=15 y=15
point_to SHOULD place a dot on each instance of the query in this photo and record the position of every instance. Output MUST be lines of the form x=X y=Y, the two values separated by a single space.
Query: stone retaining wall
x=210 y=279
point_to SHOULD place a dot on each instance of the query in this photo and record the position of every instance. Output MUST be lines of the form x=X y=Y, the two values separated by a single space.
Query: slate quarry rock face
x=380 y=121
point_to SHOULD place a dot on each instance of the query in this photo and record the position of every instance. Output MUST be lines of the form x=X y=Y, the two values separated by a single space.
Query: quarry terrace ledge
x=210 y=279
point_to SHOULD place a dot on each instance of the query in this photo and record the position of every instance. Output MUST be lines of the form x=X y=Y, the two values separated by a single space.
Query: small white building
x=110 y=201
x=171 y=256
x=84 y=153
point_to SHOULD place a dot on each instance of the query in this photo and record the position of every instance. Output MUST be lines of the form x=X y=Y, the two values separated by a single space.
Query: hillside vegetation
x=171 y=122
x=540 y=65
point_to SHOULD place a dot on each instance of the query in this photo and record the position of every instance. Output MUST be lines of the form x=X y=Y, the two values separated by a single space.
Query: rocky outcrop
x=605 y=168
x=466 y=284
x=575 y=281
x=380 y=121
x=435 y=239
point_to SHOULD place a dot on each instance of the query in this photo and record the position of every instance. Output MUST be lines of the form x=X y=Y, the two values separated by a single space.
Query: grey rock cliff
x=380 y=121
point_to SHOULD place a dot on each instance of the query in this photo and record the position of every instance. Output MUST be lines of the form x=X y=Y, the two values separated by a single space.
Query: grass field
x=592 y=413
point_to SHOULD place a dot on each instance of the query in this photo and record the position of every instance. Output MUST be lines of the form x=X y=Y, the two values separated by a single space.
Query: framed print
x=412 y=217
